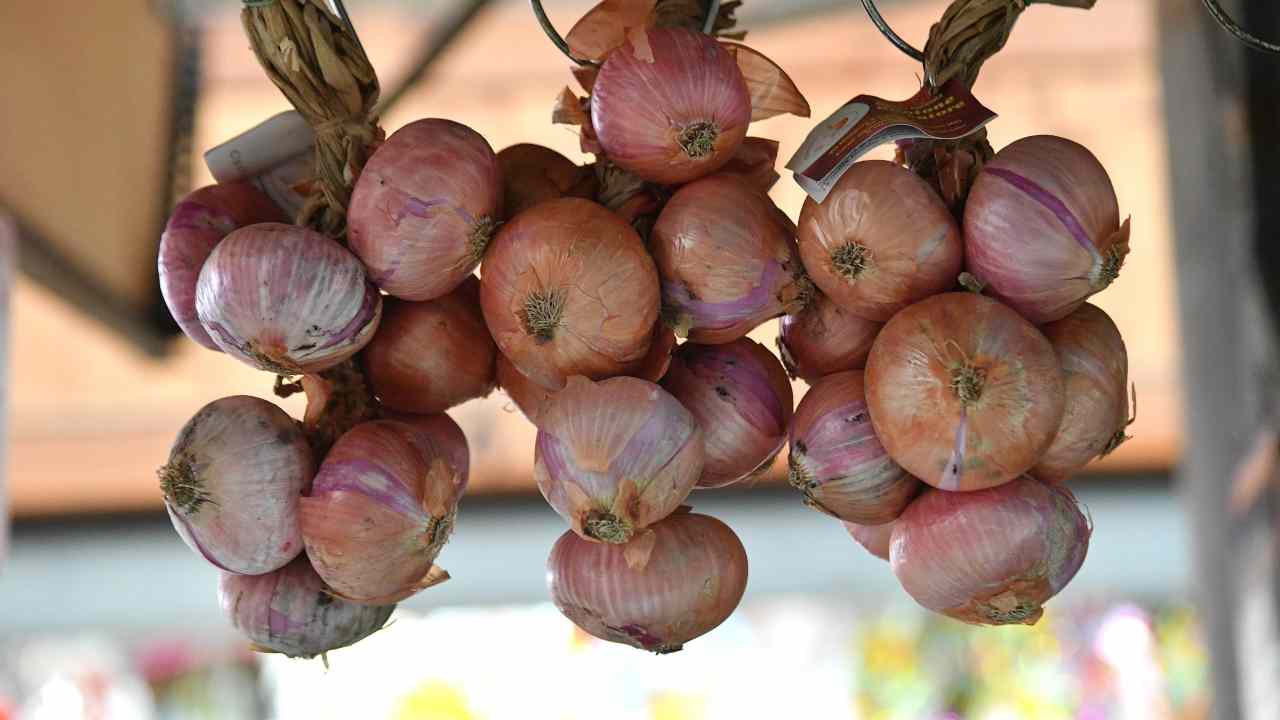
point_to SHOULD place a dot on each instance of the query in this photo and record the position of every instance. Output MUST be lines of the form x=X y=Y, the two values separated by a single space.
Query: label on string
x=276 y=155
x=866 y=122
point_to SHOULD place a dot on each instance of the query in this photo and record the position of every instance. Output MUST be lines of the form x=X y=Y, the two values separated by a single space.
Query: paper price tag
x=275 y=155
x=866 y=122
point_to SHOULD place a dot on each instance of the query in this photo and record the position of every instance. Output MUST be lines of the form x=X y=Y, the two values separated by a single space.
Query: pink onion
x=446 y=439
x=675 y=582
x=824 y=338
x=882 y=240
x=990 y=557
x=1042 y=227
x=875 y=538
x=670 y=105
x=836 y=459
x=616 y=456
x=291 y=612
x=740 y=396
x=429 y=356
x=964 y=393
x=727 y=259
x=199 y=222
x=286 y=299
x=425 y=207
x=232 y=483
x=379 y=511
x=1096 y=364
x=533 y=174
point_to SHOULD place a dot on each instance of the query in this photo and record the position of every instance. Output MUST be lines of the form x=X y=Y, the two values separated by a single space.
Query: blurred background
x=105 y=614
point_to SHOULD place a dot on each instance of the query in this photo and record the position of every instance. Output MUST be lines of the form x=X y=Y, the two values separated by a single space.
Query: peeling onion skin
x=990 y=557
x=197 y=224
x=689 y=582
x=874 y=538
x=823 y=339
x=677 y=89
x=964 y=393
x=740 y=396
x=286 y=299
x=232 y=484
x=616 y=456
x=837 y=461
x=533 y=174
x=425 y=208
x=727 y=259
x=1042 y=227
x=380 y=510
x=882 y=240
x=446 y=439
x=567 y=288
x=291 y=612
x=1096 y=365
x=430 y=356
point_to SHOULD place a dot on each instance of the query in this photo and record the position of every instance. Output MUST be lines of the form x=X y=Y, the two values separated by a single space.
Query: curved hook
x=558 y=40
x=878 y=20
x=1234 y=28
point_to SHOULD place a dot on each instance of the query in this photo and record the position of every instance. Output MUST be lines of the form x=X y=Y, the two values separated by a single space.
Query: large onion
x=676 y=582
x=616 y=456
x=881 y=240
x=568 y=289
x=1042 y=227
x=727 y=259
x=425 y=207
x=533 y=174
x=963 y=392
x=991 y=557
x=824 y=338
x=670 y=105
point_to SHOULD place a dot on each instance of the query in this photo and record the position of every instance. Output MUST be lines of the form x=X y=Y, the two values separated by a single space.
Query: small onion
x=991 y=557
x=670 y=105
x=1096 y=364
x=824 y=338
x=837 y=461
x=676 y=582
x=740 y=396
x=875 y=538
x=882 y=240
x=964 y=393
x=568 y=289
x=425 y=208
x=286 y=299
x=429 y=356
x=533 y=174
x=379 y=511
x=616 y=456
x=1042 y=227
x=232 y=483
x=291 y=612
x=727 y=260
x=197 y=224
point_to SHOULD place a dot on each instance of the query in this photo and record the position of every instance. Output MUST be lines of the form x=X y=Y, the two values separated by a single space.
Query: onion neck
x=1107 y=267
x=698 y=139
x=182 y=487
x=481 y=233
x=607 y=527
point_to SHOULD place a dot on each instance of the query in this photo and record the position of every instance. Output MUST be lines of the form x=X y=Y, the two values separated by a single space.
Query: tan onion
x=533 y=174
x=824 y=338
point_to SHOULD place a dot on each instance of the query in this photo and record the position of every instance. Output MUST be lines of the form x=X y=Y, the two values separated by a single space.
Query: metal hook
x=878 y=20
x=1234 y=28
x=707 y=26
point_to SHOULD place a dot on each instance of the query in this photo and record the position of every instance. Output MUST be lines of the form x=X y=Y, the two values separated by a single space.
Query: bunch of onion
x=964 y=393
x=727 y=259
x=824 y=338
x=425 y=208
x=533 y=174
x=677 y=581
x=990 y=557
x=1042 y=227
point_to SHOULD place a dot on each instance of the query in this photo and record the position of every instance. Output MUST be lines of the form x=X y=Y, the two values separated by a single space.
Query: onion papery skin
x=837 y=461
x=823 y=339
x=740 y=396
x=290 y=611
x=1042 y=227
x=568 y=289
x=670 y=105
x=425 y=207
x=874 y=538
x=232 y=484
x=429 y=356
x=678 y=581
x=964 y=393
x=727 y=260
x=882 y=240
x=286 y=299
x=197 y=224
x=616 y=456
x=446 y=439
x=533 y=174
x=379 y=511
x=1096 y=366
x=991 y=557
